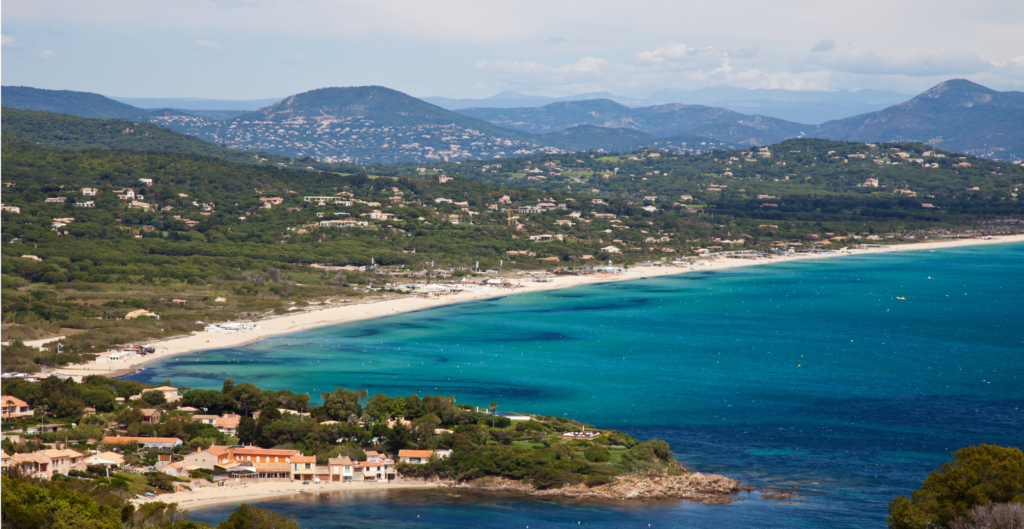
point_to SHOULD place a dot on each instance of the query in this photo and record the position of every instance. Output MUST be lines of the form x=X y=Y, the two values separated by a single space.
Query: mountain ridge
x=969 y=117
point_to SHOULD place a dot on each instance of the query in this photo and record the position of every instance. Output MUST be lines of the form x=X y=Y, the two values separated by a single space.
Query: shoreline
x=263 y=491
x=333 y=315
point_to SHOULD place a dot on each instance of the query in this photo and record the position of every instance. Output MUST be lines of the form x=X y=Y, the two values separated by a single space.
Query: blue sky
x=252 y=49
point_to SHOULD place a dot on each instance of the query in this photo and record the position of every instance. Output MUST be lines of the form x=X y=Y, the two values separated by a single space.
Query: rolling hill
x=970 y=118
x=374 y=123
x=661 y=120
x=800 y=106
x=84 y=104
x=64 y=131
x=377 y=124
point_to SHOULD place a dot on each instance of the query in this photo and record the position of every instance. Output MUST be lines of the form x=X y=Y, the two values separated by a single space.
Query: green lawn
x=136 y=482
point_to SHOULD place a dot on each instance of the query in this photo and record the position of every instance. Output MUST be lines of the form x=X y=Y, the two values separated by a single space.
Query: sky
x=254 y=49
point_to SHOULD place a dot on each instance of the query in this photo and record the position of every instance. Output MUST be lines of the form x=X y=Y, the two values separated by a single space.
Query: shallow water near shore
x=810 y=374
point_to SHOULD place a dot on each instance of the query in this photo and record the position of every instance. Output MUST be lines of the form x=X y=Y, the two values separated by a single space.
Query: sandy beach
x=320 y=316
x=273 y=489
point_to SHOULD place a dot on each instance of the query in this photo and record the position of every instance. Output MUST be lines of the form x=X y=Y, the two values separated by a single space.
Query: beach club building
x=303 y=468
x=377 y=467
x=266 y=463
x=343 y=469
x=378 y=470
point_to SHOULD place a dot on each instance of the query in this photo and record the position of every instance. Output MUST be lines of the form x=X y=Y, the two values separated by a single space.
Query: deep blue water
x=810 y=375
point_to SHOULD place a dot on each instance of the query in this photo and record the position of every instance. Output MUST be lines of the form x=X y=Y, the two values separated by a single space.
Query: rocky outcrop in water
x=692 y=486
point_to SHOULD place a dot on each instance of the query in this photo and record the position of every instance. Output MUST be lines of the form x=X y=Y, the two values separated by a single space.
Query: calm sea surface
x=811 y=375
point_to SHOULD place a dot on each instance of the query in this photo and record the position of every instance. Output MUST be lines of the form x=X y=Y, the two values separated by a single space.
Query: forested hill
x=374 y=123
x=832 y=173
x=968 y=117
x=660 y=120
x=357 y=125
x=85 y=104
x=386 y=107
x=63 y=131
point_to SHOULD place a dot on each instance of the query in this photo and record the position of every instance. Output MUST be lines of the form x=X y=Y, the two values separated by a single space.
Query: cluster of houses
x=44 y=464
x=247 y=462
x=224 y=463
x=253 y=463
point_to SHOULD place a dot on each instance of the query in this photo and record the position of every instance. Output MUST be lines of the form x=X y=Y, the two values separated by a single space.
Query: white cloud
x=47 y=54
x=824 y=45
x=587 y=69
x=9 y=41
x=914 y=63
x=679 y=57
x=1013 y=68
x=675 y=66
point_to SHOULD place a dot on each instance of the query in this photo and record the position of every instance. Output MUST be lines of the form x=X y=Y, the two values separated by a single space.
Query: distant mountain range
x=517 y=100
x=196 y=103
x=364 y=124
x=968 y=117
x=801 y=106
x=661 y=120
x=358 y=124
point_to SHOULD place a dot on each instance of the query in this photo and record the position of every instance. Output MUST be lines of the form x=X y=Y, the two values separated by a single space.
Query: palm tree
x=494 y=408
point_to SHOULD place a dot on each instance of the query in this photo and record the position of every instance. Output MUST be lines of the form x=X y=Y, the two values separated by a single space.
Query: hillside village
x=353 y=139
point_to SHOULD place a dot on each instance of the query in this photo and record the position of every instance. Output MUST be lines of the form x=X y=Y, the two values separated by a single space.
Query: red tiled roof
x=117 y=440
x=227 y=422
x=415 y=453
x=304 y=459
x=12 y=401
x=254 y=451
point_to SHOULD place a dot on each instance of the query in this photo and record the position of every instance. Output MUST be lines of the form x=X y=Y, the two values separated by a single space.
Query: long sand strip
x=289 y=323
x=266 y=490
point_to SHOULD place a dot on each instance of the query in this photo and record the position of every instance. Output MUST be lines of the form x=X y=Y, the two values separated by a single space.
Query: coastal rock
x=692 y=486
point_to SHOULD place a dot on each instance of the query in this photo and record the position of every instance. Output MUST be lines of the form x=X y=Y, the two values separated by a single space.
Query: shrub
x=594 y=480
x=597 y=454
x=651 y=450
x=977 y=475
x=159 y=480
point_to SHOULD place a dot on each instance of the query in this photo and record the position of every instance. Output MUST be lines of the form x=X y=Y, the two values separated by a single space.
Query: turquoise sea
x=811 y=375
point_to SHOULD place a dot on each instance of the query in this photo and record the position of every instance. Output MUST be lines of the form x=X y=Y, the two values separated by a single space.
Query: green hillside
x=84 y=104
x=386 y=107
x=63 y=131
x=78 y=253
